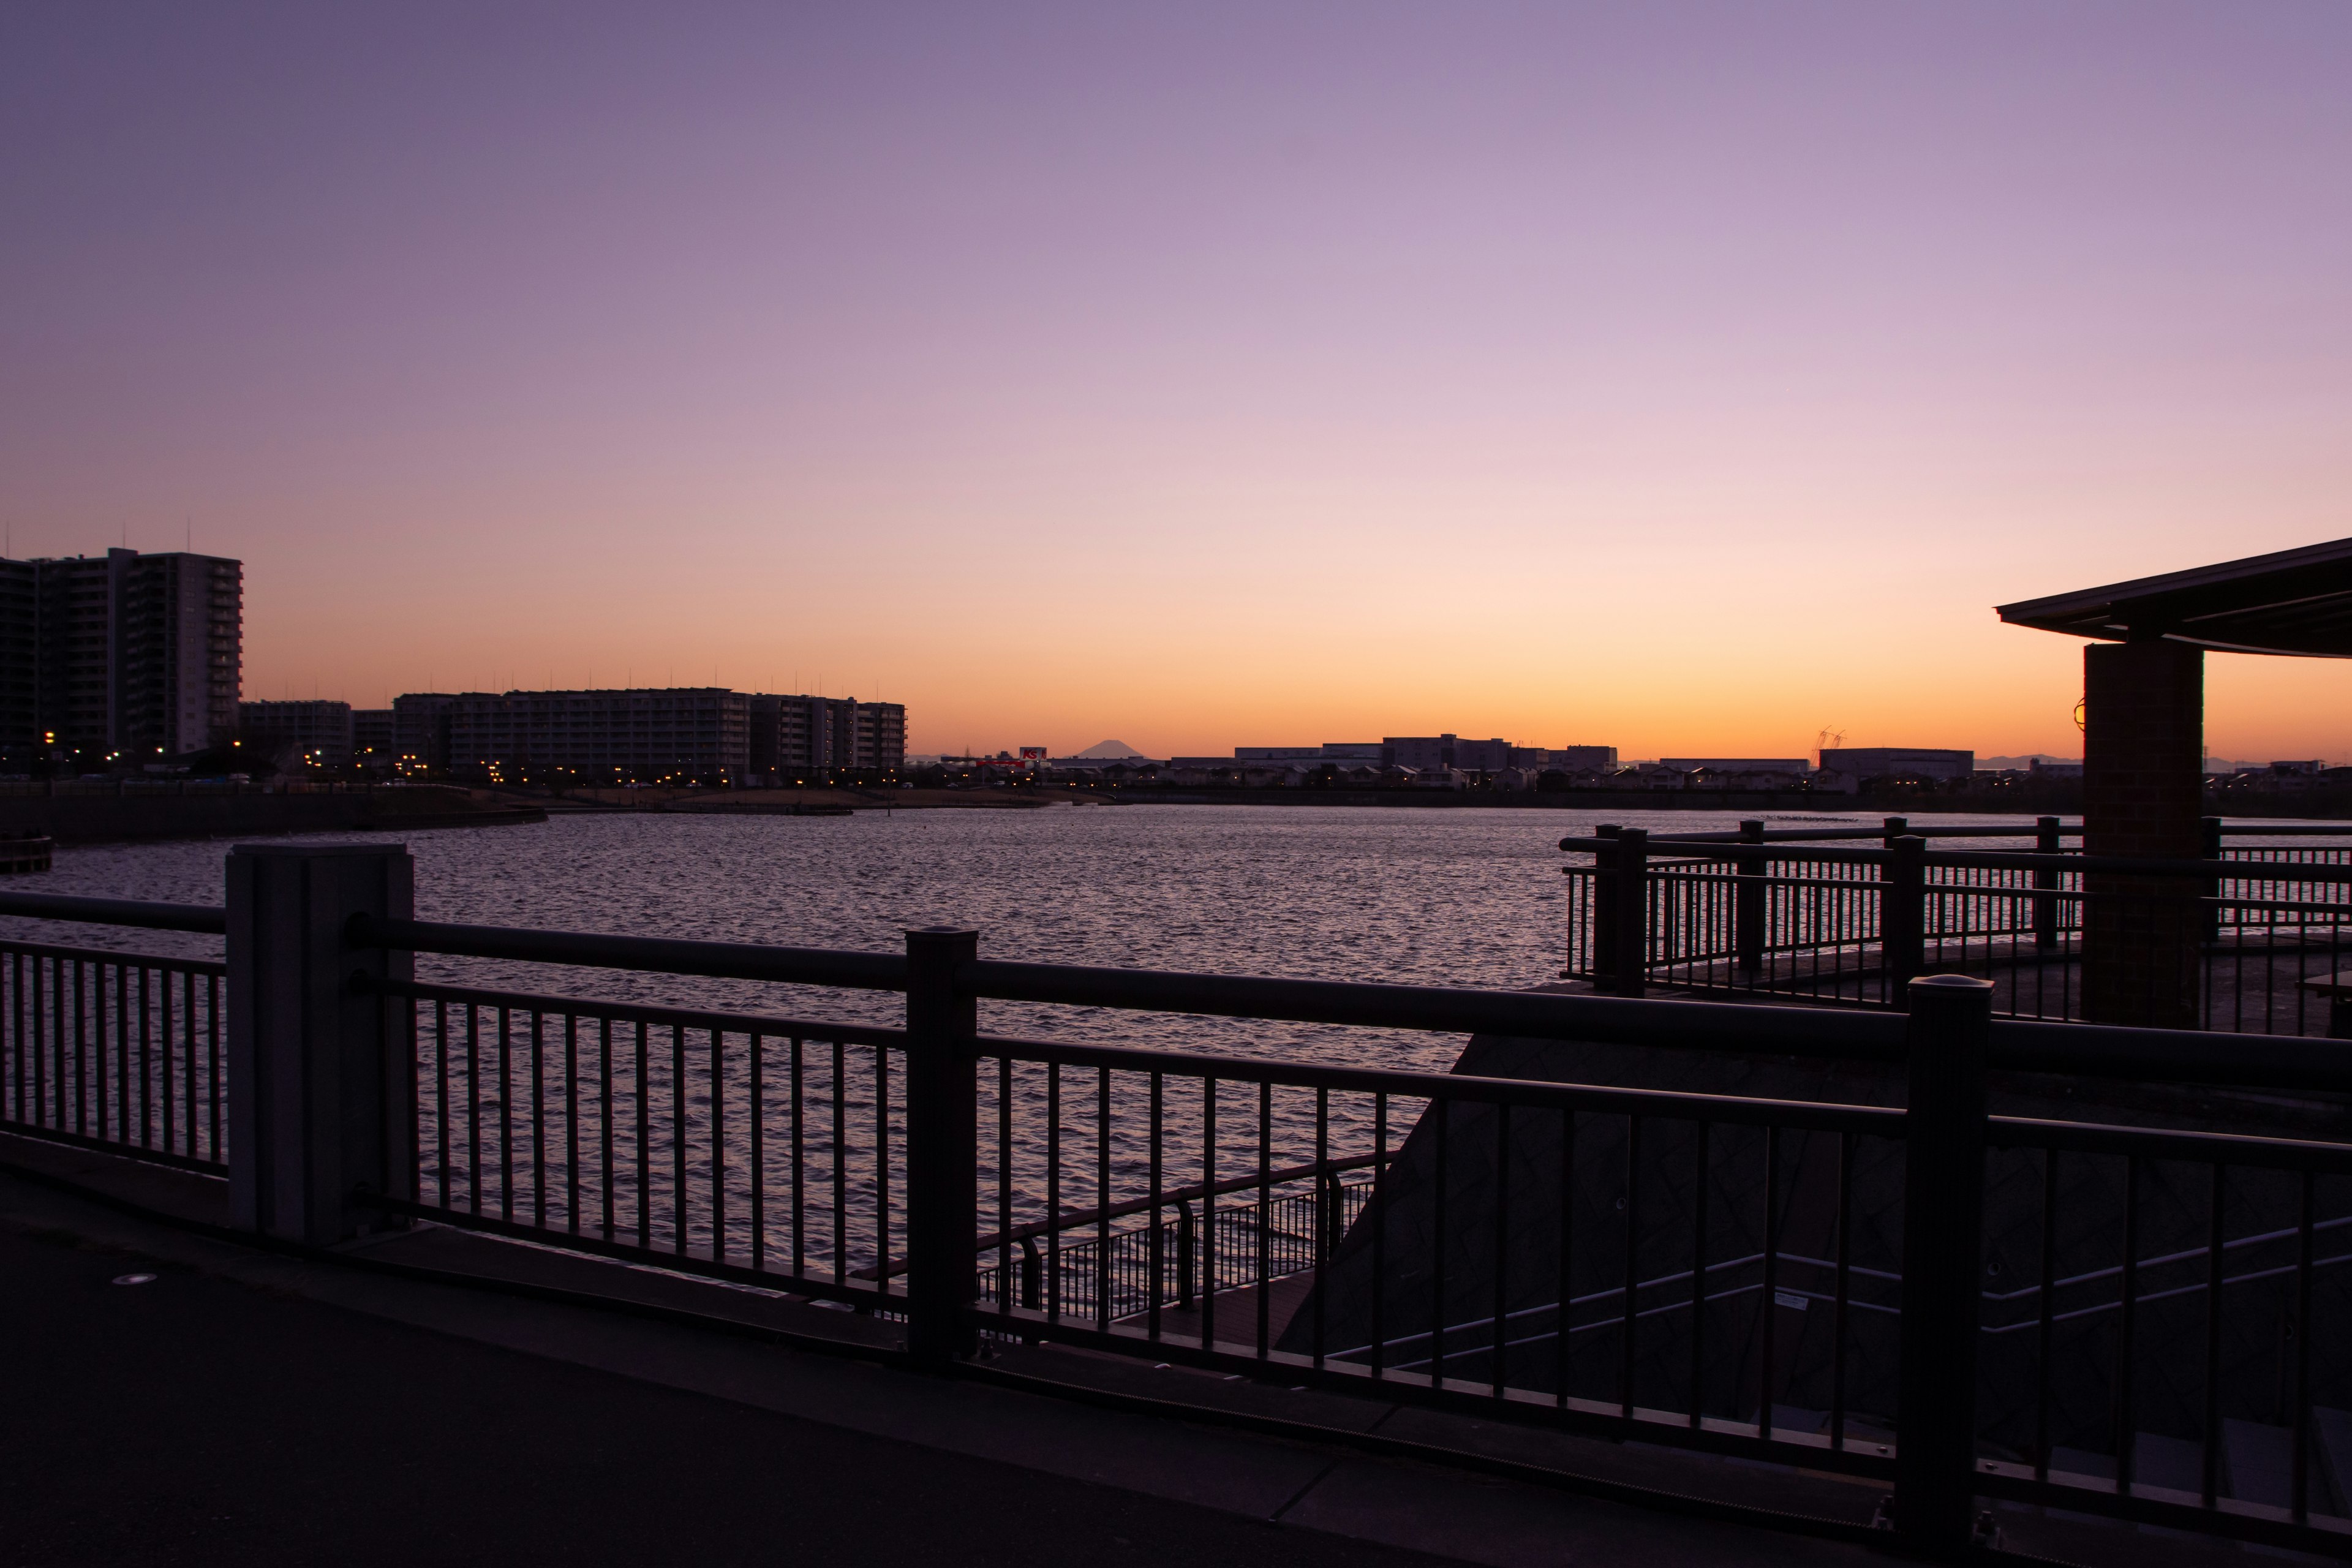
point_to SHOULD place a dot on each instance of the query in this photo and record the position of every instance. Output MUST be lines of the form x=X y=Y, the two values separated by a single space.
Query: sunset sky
x=1685 y=378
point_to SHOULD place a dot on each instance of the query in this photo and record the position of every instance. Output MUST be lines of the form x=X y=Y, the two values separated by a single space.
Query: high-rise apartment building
x=792 y=736
x=124 y=655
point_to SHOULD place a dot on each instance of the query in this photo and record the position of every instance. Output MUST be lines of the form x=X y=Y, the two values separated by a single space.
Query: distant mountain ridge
x=1109 y=748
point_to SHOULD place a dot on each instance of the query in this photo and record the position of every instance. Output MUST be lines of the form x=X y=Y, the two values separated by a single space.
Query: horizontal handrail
x=634 y=1013
x=1800 y=836
x=670 y=955
x=2233 y=1149
x=1522 y=1093
x=209 y=919
x=1445 y=1010
x=2248 y=829
x=2195 y=1056
x=211 y=968
x=1989 y=860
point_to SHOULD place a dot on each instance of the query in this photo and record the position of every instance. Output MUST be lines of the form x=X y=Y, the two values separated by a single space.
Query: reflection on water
x=553 y=1122
x=1421 y=896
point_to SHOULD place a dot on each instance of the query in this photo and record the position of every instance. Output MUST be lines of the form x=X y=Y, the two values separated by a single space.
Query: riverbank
x=81 y=818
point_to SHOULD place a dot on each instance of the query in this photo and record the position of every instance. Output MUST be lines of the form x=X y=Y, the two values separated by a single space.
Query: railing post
x=1903 y=915
x=1185 y=1247
x=321 y=1084
x=1943 y=1215
x=2045 y=881
x=1603 y=909
x=1632 y=898
x=942 y=1150
x=1747 y=903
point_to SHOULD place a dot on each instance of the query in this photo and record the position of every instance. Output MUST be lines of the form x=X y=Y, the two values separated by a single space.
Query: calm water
x=1430 y=896
x=1433 y=896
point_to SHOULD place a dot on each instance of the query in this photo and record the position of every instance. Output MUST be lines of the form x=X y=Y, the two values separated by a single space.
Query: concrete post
x=2143 y=795
x=321 y=1093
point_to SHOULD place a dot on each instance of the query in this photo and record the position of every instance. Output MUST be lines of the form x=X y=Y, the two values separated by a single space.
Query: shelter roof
x=2297 y=601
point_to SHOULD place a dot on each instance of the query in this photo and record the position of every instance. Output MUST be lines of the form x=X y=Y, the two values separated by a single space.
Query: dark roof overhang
x=2296 y=602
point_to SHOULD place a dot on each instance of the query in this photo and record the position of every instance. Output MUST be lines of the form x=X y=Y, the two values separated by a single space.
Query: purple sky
x=1685 y=378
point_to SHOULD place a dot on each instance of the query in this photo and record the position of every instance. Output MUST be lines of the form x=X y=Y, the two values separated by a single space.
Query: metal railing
x=1776 y=1276
x=2254 y=931
x=114 y=1049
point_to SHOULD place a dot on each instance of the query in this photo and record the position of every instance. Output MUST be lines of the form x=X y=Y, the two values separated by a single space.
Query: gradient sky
x=1688 y=378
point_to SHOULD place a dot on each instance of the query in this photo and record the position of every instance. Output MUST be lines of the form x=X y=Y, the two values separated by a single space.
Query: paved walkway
x=254 y=1408
x=198 y=1420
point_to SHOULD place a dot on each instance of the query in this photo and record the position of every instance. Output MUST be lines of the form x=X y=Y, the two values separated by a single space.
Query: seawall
x=99 y=818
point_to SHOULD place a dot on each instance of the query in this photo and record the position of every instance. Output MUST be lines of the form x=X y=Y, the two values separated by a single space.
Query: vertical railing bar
x=645 y=1136
x=537 y=1119
x=1053 y=1191
x=1156 y=1176
x=1837 y=1322
x=882 y=1170
x=758 y=1151
x=84 y=983
x=604 y=1121
x=678 y=1212
x=2127 y=1416
x=187 y=1057
x=1633 y=1195
x=1699 y=1278
x=1209 y=1214
x=840 y=1164
x=2047 y=1327
x=213 y=1062
x=506 y=1115
x=2210 y=1460
x=800 y=1162
x=2301 y=1492
x=718 y=1145
x=1330 y=1218
x=441 y=1092
x=1560 y=1324
x=474 y=1105
x=1442 y=1115
x=1380 y=1232
x=572 y=1122
x=1771 y=1308
x=1501 y=1239
x=1005 y=1289
x=147 y=1062
x=1265 y=1206
x=1102 y=1199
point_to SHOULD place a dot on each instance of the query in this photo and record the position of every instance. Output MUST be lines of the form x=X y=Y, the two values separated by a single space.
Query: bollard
x=1943 y=1224
x=942 y=1149
x=321 y=1076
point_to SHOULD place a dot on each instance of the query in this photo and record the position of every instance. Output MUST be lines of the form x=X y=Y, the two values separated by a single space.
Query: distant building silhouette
x=124 y=655
x=641 y=733
x=291 y=734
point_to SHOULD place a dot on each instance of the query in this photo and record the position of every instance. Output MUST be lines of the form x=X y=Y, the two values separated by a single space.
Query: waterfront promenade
x=253 y=1408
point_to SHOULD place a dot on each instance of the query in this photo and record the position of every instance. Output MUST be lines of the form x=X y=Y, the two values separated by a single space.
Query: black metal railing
x=114 y=1049
x=2256 y=935
x=1896 y=1283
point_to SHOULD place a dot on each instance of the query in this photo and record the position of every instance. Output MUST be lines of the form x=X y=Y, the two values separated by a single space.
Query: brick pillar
x=2143 y=795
